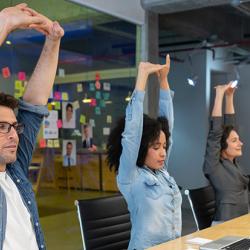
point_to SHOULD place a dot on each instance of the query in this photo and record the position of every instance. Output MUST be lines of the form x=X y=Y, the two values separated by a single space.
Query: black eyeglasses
x=5 y=127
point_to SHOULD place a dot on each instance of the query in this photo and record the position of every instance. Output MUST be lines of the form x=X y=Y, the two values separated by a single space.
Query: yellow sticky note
x=65 y=96
x=76 y=104
x=56 y=144
x=57 y=105
x=49 y=105
x=18 y=84
x=79 y=87
x=17 y=95
x=21 y=89
x=83 y=119
x=50 y=144
x=109 y=119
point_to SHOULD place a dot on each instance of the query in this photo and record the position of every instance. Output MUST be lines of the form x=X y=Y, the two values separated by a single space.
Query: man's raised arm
x=40 y=84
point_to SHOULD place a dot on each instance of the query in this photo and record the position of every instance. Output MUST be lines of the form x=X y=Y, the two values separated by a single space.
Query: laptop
x=228 y=243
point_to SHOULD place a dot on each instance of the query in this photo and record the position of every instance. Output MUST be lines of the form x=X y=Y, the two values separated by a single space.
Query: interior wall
x=189 y=134
x=242 y=104
x=192 y=111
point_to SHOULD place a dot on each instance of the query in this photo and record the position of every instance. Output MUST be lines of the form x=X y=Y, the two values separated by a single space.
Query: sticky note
x=21 y=76
x=106 y=86
x=42 y=143
x=57 y=95
x=18 y=84
x=79 y=87
x=97 y=110
x=109 y=119
x=61 y=72
x=97 y=77
x=82 y=119
x=98 y=95
x=92 y=122
x=97 y=85
x=65 y=96
x=6 y=72
x=102 y=103
x=92 y=102
x=56 y=144
x=17 y=95
x=106 y=131
x=92 y=86
x=50 y=144
x=57 y=105
x=76 y=104
x=106 y=96
x=21 y=90
x=50 y=107
x=59 y=123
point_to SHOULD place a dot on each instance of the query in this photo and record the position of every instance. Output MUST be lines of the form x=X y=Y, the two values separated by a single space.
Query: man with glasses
x=19 y=222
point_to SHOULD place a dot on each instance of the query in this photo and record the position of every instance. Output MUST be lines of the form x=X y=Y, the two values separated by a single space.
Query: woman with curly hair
x=138 y=150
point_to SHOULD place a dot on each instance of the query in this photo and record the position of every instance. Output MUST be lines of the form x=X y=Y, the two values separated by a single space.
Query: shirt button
x=29 y=202
x=42 y=246
x=37 y=224
x=18 y=180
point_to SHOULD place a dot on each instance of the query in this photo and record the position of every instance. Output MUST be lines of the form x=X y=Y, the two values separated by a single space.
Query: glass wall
x=95 y=77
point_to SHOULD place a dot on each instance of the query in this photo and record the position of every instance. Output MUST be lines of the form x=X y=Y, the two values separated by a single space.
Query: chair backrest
x=202 y=202
x=104 y=222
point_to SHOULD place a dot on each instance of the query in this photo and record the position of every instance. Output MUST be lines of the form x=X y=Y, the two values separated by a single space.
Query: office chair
x=202 y=203
x=104 y=223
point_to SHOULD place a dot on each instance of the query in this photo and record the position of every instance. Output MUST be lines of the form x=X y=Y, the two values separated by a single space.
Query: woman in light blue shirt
x=138 y=149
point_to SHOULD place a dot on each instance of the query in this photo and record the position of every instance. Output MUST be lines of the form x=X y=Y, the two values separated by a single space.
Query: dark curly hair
x=150 y=133
x=8 y=101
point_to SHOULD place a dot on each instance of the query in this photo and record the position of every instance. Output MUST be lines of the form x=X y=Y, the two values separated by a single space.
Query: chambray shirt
x=153 y=198
x=31 y=116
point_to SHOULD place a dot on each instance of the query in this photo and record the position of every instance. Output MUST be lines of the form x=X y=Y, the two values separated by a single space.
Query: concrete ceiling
x=196 y=23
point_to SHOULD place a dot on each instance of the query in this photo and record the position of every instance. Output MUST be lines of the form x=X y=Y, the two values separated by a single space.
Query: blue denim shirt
x=31 y=116
x=153 y=198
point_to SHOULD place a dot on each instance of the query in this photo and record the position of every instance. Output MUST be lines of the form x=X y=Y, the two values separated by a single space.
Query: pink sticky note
x=93 y=102
x=97 y=84
x=42 y=143
x=21 y=76
x=6 y=72
x=57 y=95
x=97 y=77
x=59 y=123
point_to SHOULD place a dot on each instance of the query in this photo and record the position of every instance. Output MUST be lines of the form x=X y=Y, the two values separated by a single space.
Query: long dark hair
x=226 y=132
x=150 y=133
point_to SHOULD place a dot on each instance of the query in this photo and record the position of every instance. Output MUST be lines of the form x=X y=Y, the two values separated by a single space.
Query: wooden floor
x=59 y=218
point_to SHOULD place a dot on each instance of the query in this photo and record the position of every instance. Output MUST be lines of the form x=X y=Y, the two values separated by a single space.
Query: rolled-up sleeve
x=31 y=116
x=229 y=120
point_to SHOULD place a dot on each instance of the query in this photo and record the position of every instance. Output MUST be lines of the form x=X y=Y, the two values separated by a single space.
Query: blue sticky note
x=97 y=110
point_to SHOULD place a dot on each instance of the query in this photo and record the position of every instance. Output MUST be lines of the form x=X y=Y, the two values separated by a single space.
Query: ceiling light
x=192 y=81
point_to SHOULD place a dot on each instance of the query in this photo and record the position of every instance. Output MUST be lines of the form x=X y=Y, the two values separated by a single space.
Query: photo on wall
x=69 y=153
x=87 y=136
x=50 y=128
x=68 y=115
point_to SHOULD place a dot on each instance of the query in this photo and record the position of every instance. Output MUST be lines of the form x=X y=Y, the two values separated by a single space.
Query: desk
x=239 y=227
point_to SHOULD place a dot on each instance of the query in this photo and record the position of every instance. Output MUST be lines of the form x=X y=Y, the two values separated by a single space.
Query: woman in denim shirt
x=138 y=149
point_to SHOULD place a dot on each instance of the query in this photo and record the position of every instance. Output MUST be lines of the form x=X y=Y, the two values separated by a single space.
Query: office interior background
x=209 y=44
